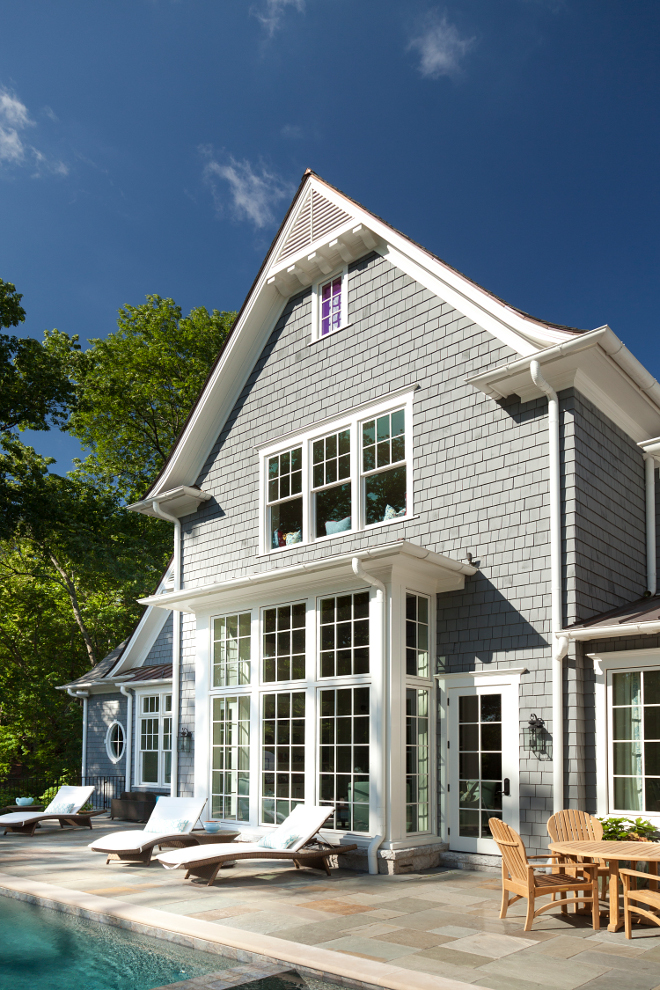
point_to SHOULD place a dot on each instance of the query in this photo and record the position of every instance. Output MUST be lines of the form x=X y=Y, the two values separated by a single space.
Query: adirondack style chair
x=520 y=878
x=572 y=825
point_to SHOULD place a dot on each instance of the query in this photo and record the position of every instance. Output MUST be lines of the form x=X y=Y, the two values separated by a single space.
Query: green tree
x=136 y=387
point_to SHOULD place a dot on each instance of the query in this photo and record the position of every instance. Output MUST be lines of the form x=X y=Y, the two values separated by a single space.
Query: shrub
x=627 y=829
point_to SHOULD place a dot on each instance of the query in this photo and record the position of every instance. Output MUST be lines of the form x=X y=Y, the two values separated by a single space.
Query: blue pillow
x=337 y=527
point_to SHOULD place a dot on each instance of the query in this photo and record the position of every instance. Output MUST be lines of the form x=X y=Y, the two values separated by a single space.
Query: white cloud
x=271 y=12
x=440 y=48
x=292 y=131
x=14 y=150
x=254 y=191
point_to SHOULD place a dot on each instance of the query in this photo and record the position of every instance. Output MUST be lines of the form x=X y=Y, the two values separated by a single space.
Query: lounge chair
x=290 y=840
x=65 y=808
x=170 y=823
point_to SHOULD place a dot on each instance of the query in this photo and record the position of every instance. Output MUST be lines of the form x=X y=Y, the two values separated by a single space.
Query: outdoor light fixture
x=184 y=741
x=538 y=737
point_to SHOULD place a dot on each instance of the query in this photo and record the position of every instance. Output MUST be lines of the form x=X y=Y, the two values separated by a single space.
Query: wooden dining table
x=613 y=853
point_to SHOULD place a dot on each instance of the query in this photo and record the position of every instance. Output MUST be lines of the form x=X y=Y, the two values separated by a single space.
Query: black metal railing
x=44 y=788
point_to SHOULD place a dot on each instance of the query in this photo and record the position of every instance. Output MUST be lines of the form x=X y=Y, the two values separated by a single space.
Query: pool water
x=44 y=949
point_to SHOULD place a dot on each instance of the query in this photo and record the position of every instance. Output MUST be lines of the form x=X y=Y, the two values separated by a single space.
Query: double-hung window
x=155 y=739
x=353 y=474
x=329 y=305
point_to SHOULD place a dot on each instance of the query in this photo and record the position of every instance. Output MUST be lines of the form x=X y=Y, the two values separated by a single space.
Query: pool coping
x=233 y=943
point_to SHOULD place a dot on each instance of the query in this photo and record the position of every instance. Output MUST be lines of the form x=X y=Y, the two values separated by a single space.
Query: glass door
x=482 y=763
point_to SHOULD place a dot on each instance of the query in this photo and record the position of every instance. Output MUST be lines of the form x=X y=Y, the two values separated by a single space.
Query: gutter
x=560 y=644
x=176 y=647
x=609 y=632
x=84 y=695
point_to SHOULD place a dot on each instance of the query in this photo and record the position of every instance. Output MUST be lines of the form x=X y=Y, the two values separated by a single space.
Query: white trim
x=498 y=672
x=113 y=757
x=604 y=665
x=352 y=421
x=143 y=691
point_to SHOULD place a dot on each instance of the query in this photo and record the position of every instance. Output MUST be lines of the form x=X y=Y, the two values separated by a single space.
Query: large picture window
x=345 y=635
x=354 y=474
x=283 y=755
x=230 y=773
x=231 y=649
x=344 y=757
x=155 y=740
x=635 y=741
x=284 y=643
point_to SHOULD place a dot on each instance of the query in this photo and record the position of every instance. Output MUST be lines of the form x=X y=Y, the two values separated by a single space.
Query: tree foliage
x=136 y=387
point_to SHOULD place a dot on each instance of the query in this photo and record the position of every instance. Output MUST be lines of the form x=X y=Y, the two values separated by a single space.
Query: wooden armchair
x=630 y=893
x=571 y=825
x=519 y=877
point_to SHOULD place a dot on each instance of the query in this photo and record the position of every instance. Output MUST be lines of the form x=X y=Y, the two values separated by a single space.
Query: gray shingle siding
x=161 y=651
x=102 y=710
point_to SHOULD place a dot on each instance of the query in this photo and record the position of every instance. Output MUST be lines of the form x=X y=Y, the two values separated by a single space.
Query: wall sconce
x=538 y=738
x=184 y=742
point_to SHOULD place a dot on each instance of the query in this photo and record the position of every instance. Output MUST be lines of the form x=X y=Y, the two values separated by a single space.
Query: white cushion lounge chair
x=170 y=823
x=64 y=807
x=290 y=840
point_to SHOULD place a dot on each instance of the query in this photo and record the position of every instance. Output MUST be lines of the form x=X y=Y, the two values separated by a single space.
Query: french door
x=482 y=760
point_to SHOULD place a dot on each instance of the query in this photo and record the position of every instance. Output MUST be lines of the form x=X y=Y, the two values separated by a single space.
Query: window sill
x=319 y=340
x=333 y=536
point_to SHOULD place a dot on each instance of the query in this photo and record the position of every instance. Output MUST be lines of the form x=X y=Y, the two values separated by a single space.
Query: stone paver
x=441 y=922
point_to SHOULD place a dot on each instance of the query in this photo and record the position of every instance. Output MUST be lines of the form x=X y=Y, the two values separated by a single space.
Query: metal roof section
x=99 y=672
x=309 y=246
x=643 y=610
x=145 y=675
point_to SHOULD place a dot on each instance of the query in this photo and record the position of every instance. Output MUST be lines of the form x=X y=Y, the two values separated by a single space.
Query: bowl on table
x=24 y=802
x=211 y=827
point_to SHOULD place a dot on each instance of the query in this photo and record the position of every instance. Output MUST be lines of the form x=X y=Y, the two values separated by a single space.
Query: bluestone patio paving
x=440 y=922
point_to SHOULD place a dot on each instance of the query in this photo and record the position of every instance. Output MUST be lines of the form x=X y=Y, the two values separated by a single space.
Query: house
x=414 y=561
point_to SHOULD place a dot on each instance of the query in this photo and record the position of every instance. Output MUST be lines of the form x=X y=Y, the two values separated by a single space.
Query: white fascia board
x=600 y=367
x=265 y=304
x=447 y=573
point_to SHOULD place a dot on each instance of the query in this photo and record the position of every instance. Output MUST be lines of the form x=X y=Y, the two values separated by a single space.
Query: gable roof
x=322 y=229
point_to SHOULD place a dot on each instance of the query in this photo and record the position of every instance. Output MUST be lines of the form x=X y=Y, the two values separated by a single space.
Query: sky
x=153 y=146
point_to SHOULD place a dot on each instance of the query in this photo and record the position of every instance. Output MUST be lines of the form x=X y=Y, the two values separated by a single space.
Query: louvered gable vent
x=317 y=216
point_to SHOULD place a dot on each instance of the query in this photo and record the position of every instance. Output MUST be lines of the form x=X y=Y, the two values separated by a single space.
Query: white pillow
x=167 y=825
x=279 y=840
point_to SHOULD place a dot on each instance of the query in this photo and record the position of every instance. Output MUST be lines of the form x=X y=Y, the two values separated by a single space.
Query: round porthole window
x=115 y=741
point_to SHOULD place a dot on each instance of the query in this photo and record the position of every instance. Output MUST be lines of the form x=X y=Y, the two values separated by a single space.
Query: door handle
x=506 y=787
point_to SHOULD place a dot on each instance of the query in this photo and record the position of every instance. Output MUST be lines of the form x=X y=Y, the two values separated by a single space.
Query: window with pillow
x=331 y=481
x=384 y=467
x=285 y=500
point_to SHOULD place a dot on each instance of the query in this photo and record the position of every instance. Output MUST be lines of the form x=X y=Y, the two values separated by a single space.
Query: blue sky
x=152 y=146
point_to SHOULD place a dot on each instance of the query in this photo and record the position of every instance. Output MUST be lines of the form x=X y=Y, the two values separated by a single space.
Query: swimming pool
x=43 y=949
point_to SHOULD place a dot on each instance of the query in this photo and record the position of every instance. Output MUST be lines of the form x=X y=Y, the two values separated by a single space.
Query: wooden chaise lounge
x=65 y=808
x=294 y=840
x=170 y=823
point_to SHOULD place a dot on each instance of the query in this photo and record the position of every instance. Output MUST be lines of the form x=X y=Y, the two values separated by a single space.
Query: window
x=635 y=734
x=344 y=757
x=283 y=755
x=285 y=503
x=329 y=305
x=331 y=457
x=231 y=650
x=417 y=761
x=480 y=762
x=284 y=643
x=351 y=475
x=417 y=635
x=345 y=635
x=383 y=445
x=230 y=773
x=115 y=741
x=155 y=752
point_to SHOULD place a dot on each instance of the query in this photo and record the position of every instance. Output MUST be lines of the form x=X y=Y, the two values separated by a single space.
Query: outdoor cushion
x=167 y=825
x=170 y=817
x=279 y=840
x=339 y=526
x=68 y=800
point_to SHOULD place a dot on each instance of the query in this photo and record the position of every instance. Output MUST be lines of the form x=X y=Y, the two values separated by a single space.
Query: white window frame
x=317 y=300
x=111 y=756
x=161 y=715
x=606 y=664
x=352 y=420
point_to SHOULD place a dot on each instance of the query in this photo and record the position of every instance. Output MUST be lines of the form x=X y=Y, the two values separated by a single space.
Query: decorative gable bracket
x=340 y=247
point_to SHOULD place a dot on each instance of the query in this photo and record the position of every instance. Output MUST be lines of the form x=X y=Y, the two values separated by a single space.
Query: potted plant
x=628 y=830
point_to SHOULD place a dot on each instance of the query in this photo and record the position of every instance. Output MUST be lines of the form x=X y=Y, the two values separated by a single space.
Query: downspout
x=559 y=643
x=381 y=625
x=84 y=695
x=651 y=572
x=129 y=734
x=176 y=647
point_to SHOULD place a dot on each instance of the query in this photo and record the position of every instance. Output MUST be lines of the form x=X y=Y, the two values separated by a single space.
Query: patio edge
x=195 y=933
